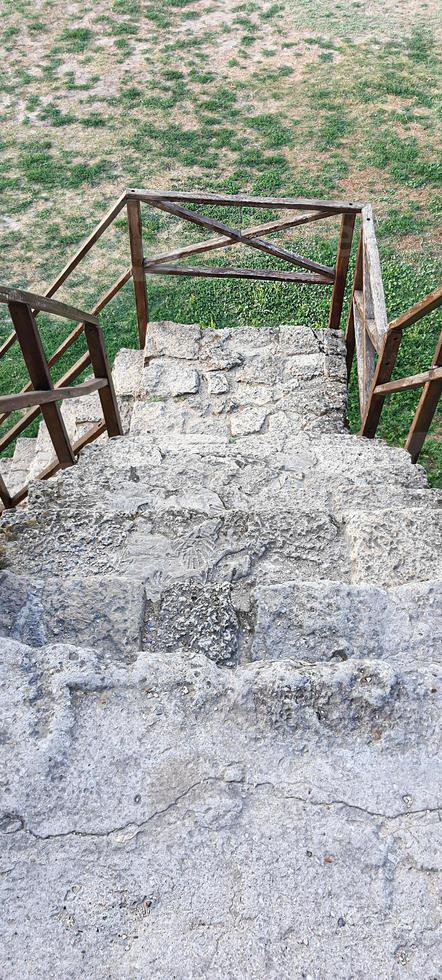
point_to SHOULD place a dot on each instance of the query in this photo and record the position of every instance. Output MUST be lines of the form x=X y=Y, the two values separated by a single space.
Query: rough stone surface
x=220 y=686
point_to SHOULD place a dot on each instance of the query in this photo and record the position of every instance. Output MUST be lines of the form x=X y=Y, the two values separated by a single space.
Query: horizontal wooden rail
x=44 y=305
x=20 y=426
x=425 y=306
x=13 y=403
x=382 y=385
x=45 y=396
x=209 y=244
x=78 y=330
x=245 y=200
x=260 y=244
x=407 y=384
x=230 y=272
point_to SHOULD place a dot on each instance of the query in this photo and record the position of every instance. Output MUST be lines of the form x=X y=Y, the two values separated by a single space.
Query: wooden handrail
x=245 y=200
x=232 y=272
x=368 y=333
x=9 y=294
x=13 y=403
x=425 y=306
x=44 y=394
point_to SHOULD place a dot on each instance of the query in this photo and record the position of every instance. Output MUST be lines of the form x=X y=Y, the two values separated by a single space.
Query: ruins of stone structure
x=221 y=640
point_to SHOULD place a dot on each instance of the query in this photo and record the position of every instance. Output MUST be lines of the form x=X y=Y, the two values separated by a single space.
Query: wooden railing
x=42 y=395
x=377 y=343
x=368 y=333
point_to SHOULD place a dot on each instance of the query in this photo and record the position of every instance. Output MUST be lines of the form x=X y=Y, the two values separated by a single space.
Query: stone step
x=177 y=543
x=230 y=623
x=237 y=382
x=266 y=816
x=149 y=472
x=195 y=536
x=19 y=465
x=107 y=613
x=331 y=621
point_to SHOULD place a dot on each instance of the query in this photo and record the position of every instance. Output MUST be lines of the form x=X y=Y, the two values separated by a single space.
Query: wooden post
x=4 y=494
x=350 y=329
x=138 y=273
x=36 y=363
x=342 y=260
x=383 y=372
x=101 y=367
x=425 y=410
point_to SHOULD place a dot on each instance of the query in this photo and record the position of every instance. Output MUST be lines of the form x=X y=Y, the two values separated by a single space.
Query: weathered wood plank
x=366 y=360
x=245 y=200
x=229 y=272
x=374 y=297
x=342 y=260
x=78 y=330
x=13 y=403
x=224 y=241
x=350 y=327
x=419 y=310
x=426 y=408
x=41 y=303
x=383 y=372
x=236 y=236
x=34 y=358
x=138 y=273
x=29 y=417
x=369 y=323
x=87 y=245
x=413 y=381
x=101 y=367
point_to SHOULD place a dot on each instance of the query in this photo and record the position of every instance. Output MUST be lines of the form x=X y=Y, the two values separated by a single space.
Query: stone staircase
x=221 y=640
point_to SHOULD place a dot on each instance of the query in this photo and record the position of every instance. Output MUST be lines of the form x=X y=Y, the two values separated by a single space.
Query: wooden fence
x=42 y=395
x=368 y=335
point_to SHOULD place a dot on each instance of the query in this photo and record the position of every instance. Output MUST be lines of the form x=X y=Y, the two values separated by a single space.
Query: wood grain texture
x=246 y=200
x=426 y=409
x=34 y=358
x=224 y=241
x=10 y=295
x=138 y=273
x=20 y=426
x=350 y=327
x=231 y=272
x=13 y=403
x=236 y=236
x=374 y=297
x=426 y=305
x=413 y=381
x=102 y=369
x=342 y=261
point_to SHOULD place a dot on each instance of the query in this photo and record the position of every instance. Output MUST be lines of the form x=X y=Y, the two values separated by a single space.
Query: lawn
x=298 y=97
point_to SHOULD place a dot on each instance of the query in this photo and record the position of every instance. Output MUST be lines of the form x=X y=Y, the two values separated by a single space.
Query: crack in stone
x=140 y=826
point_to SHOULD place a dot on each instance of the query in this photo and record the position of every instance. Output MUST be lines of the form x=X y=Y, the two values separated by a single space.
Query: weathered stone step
x=178 y=776
x=177 y=543
x=198 y=538
x=234 y=382
x=148 y=474
x=331 y=621
x=308 y=622
x=18 y=467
